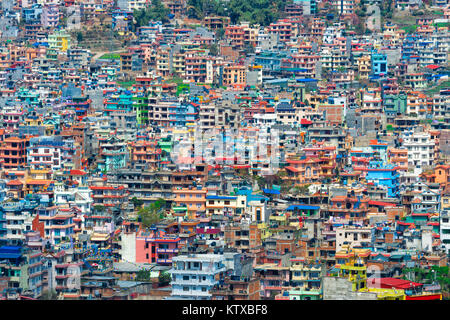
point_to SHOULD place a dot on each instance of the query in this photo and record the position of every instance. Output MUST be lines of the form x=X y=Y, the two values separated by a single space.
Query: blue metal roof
x=220 y=198
x=10 y=249
x=271 y=191
x=10 y=255
x=302 y=207
x=305 y=80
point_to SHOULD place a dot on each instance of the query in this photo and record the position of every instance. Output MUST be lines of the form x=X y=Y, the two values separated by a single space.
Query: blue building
x=379 y=64
x=380 y=149
x=409 y=46
x=32 y=14
x=23 y=267
x=270 y=61
x=122 y=102
x=309 y=6
x=384 y=175
x=184 y=114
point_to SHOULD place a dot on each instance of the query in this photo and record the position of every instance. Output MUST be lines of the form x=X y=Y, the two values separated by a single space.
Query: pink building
x=156 y=247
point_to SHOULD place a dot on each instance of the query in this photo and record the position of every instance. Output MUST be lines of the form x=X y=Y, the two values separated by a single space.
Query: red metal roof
x=381 y=203
x=388 y=283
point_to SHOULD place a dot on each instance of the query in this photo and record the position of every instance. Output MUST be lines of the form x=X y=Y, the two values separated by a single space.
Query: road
x=99 y=54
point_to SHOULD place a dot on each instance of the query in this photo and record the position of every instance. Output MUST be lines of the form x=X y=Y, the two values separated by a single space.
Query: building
x=194 y=276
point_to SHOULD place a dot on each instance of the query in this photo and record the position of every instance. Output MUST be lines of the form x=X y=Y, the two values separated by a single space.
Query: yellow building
x=364 y=66
x=234 y=76
x=265 y=232
x=59 y=40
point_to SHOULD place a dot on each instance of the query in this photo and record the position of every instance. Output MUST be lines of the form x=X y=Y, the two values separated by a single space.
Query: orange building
x=194 y=199
x=13 y=152
x=311 y=169
x=399 y=157
x=442 y=174
x=303 y=171
x=349 y=208
x=243 y=237
x=145 y=151
x=236 y=35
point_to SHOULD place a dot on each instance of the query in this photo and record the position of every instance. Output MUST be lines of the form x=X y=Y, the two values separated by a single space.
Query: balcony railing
x=161 y=250
x=163 y=260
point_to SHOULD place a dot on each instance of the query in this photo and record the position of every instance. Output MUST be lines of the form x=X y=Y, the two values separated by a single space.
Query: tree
x=136 y=202
x=262 y=12
x=155 y=12
x=199 y=9
x=99 y=208
x=213 y=50
x=79 y=36
x=143 y=275
x=360 y=28
x=152 y=214
x=220 y=33
x=261 y=182
x=49 y=295
x=164 y=279
x=248 y=49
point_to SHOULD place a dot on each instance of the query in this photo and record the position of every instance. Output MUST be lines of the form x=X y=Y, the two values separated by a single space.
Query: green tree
x=360 y=28
x=220 y=33
x=213 y=49
x=199 y=9
x=79 y=36
x=262 y=12
x=136 y=202
x=143 y=275
x=155 y=12
x=48 y=295
x=152 y=214
x=99 y=208
x=164 y=279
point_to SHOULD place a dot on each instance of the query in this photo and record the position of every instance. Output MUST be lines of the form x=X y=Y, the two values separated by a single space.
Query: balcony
x=272 y=277
x=160 y=250
x=164 y=261
x=272 y=287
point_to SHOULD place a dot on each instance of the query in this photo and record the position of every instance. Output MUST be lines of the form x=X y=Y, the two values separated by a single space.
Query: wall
x=128 y=244
x=335 y=288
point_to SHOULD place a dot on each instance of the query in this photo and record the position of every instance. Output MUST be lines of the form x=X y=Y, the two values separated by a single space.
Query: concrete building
x=194 y=275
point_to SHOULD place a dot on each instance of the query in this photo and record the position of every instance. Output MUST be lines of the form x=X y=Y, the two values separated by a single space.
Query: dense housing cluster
x=224 y=150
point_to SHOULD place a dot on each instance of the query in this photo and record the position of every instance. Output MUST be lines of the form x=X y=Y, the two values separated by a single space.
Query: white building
x=353 y=236
x=420 y=150
x=444 y=225
x=194 y=275
x=74 y=197
x=18 y=221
